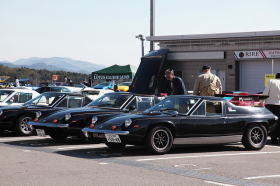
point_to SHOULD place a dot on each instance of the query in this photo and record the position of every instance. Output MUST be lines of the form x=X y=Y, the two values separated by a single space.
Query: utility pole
x=141 y=38
x=152 y=22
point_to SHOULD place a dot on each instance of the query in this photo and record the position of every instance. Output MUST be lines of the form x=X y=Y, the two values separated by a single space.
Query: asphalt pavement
x=40 y=161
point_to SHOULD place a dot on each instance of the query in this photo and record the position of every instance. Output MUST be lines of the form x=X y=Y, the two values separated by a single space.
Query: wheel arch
x=167 y=124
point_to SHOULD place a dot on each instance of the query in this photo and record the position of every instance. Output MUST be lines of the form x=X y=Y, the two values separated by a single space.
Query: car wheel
x=159 y=140
x=255 y=137
x=23 y=128
x=116 y=146
x=57 y=135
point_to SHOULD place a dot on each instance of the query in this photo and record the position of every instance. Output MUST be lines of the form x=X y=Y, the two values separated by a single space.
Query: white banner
x=257 y=54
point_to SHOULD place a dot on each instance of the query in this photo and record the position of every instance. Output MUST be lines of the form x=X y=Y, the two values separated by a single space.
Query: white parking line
x=262 y=177
x=210 y=155
x=217 y=183
x=80 y=146
x=6 y=139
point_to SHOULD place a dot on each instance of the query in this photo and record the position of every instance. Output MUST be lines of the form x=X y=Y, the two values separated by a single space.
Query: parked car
x=124 y=86
x=59 y=89
x=187 y=120
x=105 y=85
x=16 y=117
x=244 y=98
x=93 y=94
x=70 y=122
x=16 y=96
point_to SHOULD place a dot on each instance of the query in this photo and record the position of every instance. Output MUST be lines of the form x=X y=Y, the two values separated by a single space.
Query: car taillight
x=114 y=127
x=36 y=120
x=54 y=121
x=91 y=126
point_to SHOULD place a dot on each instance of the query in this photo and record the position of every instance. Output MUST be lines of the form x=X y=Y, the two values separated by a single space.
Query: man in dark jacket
x=176 y=84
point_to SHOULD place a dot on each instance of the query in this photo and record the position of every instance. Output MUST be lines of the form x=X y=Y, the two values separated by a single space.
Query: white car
x=93 y=94
x=16 y=96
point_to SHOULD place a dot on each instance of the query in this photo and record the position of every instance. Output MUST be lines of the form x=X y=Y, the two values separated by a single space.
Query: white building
x=241 y=60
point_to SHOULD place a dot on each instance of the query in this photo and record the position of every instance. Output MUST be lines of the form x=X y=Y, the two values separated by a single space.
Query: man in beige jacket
x=207 y=84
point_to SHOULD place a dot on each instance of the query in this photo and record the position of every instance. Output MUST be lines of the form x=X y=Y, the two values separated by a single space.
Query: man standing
x=273 y=103
x=17 y=82
x=176 y=84
x=207 y=84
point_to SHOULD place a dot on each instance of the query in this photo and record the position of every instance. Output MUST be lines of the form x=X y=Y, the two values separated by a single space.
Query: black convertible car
x=187 y=120
x=70 y=122
x=16 y=117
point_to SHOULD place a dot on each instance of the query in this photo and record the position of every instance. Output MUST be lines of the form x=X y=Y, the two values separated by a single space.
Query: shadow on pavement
x=134 y=151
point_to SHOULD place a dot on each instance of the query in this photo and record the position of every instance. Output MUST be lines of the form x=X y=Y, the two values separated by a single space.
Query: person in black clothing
x=176 y=84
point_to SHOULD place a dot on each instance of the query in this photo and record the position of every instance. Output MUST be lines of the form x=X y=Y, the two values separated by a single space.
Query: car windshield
x=180 y=104
x=45 y=100
x=110 y=100
x=104 y=84
x=4 y=94
x=125 y=84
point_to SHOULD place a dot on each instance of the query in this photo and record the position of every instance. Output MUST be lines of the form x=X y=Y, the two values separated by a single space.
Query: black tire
x=159 y=140
x=255 y=137
x=23 y=128
x=57 y=134
x=116 y=146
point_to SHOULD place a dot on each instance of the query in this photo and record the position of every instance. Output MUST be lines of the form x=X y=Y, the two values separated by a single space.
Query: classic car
x=244 y=98
x=16 y=96
x=187 y=120
x=105 y=85
x=124 y=86
x=16 y=117
x=70 y=122
x=59 y=89
x=93 y=94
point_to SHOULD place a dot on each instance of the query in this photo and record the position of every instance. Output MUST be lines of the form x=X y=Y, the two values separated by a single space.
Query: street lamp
x=142 y=39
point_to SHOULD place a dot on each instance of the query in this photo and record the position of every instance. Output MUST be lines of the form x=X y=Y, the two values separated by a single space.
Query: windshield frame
x=198 y=100
x=121 y=107
x=29 y=103
x=9 y=95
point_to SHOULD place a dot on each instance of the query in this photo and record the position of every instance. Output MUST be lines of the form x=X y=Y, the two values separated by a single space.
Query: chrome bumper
x=105 y=131
x=48 y=124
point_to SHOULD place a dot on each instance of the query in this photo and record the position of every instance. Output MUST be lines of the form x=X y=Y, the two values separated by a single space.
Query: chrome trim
x=194 y=106
x=48 y=124
x=208 y=140
x=105 y=131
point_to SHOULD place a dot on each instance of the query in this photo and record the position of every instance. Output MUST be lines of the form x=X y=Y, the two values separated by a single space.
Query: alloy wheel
x=160 y=139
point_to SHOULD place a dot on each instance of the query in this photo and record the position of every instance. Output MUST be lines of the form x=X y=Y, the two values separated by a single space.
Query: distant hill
x=55 y=64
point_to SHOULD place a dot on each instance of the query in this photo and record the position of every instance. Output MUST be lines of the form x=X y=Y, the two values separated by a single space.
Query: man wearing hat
x=176 y=85
x=272 y=103
x=207 y=84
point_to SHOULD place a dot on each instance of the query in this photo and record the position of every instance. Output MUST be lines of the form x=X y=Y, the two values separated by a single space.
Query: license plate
x=40 y=132
x=113 y=138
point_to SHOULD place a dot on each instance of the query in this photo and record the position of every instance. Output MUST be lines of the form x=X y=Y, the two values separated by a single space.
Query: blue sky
x=103 y=31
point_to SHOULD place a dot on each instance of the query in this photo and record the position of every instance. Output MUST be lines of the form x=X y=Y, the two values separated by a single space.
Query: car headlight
x=38 y=114
x=67 y=117
x=94 y=119
x=1 y=112
x=127 y=122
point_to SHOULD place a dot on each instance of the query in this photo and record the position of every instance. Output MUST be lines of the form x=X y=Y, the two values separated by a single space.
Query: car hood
x=119 y=120
x=77 y=112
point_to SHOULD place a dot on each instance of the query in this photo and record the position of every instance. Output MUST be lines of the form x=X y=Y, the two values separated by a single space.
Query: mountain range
x=55 y=64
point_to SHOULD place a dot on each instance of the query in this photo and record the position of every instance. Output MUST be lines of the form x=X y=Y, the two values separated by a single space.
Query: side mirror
x=174 y=113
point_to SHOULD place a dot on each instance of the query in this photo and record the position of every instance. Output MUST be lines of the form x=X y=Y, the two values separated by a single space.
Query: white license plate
x=40 y=132
x=113 y=138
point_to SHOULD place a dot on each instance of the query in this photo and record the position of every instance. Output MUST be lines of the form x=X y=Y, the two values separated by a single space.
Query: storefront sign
x=268 y=77
x=111 y=77
x=257 y=54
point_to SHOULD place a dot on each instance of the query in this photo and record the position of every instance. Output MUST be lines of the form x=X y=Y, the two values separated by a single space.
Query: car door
x=207 y=120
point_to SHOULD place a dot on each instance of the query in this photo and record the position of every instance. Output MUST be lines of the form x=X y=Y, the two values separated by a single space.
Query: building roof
x=215 y=36
x=116 y=69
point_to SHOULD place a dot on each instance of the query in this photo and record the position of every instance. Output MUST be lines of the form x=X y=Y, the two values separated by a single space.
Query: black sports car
x=16 y=117
x=70 y=122
x=187 y=120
